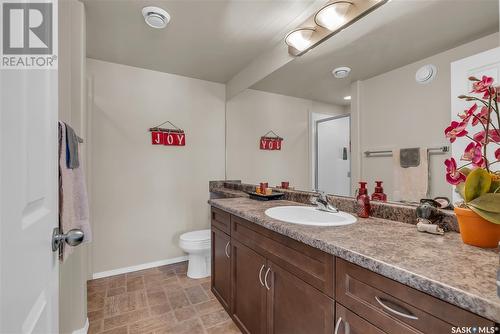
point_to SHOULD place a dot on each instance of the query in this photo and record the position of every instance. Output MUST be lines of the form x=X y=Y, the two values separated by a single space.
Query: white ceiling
x=399 y=33
x=205 y=39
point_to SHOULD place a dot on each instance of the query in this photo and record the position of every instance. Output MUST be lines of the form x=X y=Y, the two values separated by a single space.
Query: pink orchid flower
x=455 y=130
x=494 y=135
x=473 y=153
x=453 y=176
x=468 y=113
x=497 y=154
x=482 y=86
x=482 y=116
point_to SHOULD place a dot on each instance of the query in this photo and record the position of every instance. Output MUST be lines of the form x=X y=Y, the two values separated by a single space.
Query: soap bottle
x=363 y=201
x=379 y=194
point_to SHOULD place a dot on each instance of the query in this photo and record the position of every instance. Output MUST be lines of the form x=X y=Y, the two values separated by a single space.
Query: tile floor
x=156 y=301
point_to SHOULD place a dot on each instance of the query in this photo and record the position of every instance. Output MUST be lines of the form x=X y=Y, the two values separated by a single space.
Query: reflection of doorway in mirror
x=333 y=155
x=485 y=63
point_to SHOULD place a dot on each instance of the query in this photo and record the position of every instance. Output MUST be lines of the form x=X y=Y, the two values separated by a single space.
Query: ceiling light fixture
x=333 y=15
x=155 y=17
x=332 y=18
x=347 y=98
x=341 y=72
x=300 y=39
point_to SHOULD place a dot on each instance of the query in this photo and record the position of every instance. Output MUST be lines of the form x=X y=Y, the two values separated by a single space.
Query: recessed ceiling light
x=341 y=72
x=300 y=39
x=333 y=15
x=347 y=98
x=155 y=17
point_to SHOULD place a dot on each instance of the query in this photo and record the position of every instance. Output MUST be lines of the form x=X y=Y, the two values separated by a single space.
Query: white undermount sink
x=306 y=215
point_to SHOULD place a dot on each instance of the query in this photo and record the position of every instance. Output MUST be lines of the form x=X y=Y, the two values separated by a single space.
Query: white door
x=28 y=201
x=485 y=63
x=333 y=156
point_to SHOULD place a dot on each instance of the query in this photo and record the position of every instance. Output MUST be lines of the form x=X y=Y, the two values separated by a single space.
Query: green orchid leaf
x=487 y=202
x=492 y=217
x=460 y=188
x=495 y=187
x=478 y=182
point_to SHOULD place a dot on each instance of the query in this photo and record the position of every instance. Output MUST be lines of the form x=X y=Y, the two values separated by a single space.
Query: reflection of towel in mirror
x=410 y=183
x=73 y=201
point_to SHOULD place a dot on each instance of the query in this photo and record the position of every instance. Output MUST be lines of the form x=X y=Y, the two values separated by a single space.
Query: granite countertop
x=441 y=266
x=228 y=193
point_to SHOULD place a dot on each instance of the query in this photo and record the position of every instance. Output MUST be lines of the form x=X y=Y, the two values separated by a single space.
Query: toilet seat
x=196 y=237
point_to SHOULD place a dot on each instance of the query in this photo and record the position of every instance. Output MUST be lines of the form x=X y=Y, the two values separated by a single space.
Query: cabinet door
x=248 y=292
x=221 y=267
x=348 y=322
x=293 y=306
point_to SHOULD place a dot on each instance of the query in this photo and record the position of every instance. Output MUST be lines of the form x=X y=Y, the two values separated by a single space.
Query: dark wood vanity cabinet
x=248 y=298
x=293 y=306
x=221 y=266
x=278 y=285
x=272 y=284
x=396 y=308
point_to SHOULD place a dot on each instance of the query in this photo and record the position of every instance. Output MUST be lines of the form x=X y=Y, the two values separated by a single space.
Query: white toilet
x=197 y=245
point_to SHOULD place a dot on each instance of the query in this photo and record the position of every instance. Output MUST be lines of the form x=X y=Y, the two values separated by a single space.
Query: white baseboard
x=83 y=330
x=139 y=267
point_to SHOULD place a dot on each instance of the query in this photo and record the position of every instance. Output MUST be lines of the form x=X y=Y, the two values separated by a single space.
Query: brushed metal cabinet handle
x=391 y=310
x=337 y=325
x=226 y=249
x=265 y=278
x=260 y=274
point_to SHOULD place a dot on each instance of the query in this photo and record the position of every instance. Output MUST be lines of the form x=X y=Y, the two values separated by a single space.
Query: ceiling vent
x=426 y=74
x=155 y=17
x=341 y=72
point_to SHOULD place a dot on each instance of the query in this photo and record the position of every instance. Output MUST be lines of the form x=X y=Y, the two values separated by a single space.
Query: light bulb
x=300 y=39
x=333 y=16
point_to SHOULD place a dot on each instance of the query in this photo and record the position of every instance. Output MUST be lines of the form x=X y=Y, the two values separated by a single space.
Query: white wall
x=250 y=115
x=395 y=111
x=142 y=196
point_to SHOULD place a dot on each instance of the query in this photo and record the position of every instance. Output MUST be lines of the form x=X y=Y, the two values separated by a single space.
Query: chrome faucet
x=322 y=202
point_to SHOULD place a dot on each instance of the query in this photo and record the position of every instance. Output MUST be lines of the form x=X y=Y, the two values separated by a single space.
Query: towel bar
x=435 y=150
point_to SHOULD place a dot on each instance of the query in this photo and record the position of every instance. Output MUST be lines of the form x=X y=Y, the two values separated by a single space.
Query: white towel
x=412 y=183
x=73 y=201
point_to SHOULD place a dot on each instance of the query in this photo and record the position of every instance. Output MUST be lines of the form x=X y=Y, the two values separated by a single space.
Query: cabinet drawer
x=395 y=307
x=347 y=322
x=221 y=220
x=307 y=263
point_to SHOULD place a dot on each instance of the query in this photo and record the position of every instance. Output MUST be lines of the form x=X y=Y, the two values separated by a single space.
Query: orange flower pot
x=477 y=231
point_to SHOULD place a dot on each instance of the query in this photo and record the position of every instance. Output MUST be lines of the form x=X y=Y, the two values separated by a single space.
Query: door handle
x=226 y=249
x=268 y=287
x=260 y=274
x=408 y=315
x=73 y=238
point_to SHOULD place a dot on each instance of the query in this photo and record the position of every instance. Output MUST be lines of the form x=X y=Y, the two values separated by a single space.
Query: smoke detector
x=155 y=17
x=426 y=74
x=341 y=72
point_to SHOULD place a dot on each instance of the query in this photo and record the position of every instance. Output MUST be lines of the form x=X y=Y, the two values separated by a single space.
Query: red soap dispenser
x=379 y=194
x=363 y=201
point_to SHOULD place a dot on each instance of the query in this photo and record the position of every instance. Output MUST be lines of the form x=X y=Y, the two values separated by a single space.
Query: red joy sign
x=168 y=138
x=270 y=143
